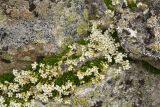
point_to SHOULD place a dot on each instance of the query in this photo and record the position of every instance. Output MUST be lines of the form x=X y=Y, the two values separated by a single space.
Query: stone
x=32 y=29
x=26 y=26
x=26 y=58
x=138 y=31
x=135 y=87
x=5 y=57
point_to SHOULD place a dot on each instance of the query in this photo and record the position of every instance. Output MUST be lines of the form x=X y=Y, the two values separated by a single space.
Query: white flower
x=13 y=87
x=80 y=75
x=42 y=65
x=15 y=72
x=2 y=100
x=58 y=99
x=70 y=68
x=43 y=98
x=28 y=104
x=67 y=101
x=82 y=59
x=115 y=2
x=19 y=95
x=10 y=94
x=14 y=104
x=34 y=65
x=119 y=58
x=133 y=33
x=126 y=65
x=33 y=80
x=72 y=47
x=47 y=88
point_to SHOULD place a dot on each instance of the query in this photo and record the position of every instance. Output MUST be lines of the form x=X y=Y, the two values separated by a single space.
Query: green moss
x=131 y=4
x=6 y=77
x=82 y=42
x=54 y=93
x=26 y=87
x=109 y=4
x=91 y=63
x=67 y=76
x=74 y=56
x=150 y=68
x=54 y=59
x=115 y=36
x=88 y=78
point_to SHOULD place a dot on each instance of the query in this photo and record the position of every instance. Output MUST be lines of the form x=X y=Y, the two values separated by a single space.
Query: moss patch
x=82 y=42
x=131 y=4
x=53 y=60
x=150 y=68
x=109 y=4
x=6 y=77
x=67 y=76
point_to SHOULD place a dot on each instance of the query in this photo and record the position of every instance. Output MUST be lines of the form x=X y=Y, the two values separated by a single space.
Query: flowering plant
x=56 y=77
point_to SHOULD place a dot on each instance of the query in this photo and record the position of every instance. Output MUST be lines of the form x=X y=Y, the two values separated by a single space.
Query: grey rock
x=138 y=31
x=26 y=58
x=24 y=23
x=135 y=87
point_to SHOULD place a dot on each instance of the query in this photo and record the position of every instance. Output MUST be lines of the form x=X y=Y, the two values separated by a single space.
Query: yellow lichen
x=126 y=104
x=2 y=17
x=21 y=13
x=43 y=9
x=155 y=46
x=136 y=50
x=82 y=27
x=71 y=17
x=85 y=14
x=80 y=101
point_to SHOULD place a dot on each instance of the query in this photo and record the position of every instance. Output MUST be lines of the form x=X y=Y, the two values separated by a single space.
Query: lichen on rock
x=40 y=30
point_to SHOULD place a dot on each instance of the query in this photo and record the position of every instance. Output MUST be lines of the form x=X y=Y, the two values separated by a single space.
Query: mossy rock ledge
x=32 y=30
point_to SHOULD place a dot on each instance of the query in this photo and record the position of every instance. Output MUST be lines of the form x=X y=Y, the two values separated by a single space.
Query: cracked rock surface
x=139 y=30
x=30 y=29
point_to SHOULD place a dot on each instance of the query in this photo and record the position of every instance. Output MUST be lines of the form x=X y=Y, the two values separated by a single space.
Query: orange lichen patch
x=16 y=9
x=21 y=13
x=26 y=14
x=24 y=56
x=42 y=8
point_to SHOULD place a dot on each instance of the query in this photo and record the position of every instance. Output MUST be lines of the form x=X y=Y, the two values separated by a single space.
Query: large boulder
x=139 y=30
x=32 y=28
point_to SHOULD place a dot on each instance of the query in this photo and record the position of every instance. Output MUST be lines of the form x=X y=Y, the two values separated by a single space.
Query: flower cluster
x=86 y=61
